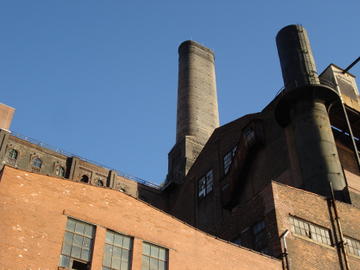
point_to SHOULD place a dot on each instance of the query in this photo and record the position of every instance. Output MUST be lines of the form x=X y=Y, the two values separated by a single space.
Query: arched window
x=99 y=182
x=13 y=154
x=60 y=171
x=37 y=163
x=84 y=179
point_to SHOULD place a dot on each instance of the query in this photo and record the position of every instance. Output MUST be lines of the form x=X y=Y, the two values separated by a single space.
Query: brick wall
x=36 y=207
x=305 y=253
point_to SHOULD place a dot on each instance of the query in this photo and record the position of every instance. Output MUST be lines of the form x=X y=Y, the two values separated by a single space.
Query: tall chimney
x=302 y=107
x=197 y=107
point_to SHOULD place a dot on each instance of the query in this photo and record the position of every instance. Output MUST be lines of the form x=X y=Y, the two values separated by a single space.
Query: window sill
x=332 y=247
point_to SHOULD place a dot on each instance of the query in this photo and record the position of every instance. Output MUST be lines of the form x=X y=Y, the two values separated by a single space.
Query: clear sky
x=99 y=78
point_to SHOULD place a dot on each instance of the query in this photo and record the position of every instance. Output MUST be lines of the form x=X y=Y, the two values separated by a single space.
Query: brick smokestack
x=6 y=116
x=302 y=108
x=197 y=107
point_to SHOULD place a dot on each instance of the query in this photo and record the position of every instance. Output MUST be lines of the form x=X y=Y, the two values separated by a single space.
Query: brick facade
x=36 y=208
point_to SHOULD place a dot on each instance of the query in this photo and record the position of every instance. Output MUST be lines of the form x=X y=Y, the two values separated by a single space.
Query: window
x=13 y=154
x=99 y=182
x=77 y=245
x=154 y=257
x=84 y=179
x=117 y=251
x=60 y=171
x=260 y=237
x=37 y=163
x=309 y=230
x=228 y=159
x=205 y=184
x=352 y=246
x=249 y=136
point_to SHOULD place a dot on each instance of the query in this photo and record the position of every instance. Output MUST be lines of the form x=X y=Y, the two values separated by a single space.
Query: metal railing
x=68 y=154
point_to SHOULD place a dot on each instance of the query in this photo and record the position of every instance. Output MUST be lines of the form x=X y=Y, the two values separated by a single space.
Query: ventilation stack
x=303 y=108
x=197 y=108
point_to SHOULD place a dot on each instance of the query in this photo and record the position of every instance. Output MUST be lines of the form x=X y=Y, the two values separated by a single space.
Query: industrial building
x=276 y=189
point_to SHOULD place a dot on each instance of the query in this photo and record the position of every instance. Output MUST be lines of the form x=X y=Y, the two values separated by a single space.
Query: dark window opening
x=99 y=183
x=13 y=154
x=60 y=171
x=84 y=179
x=260 y=237
x=79 y=265
x=37 y=163
x=249 y=136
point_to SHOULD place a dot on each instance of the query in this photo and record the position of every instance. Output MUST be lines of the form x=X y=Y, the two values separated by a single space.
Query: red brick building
x=39 y=213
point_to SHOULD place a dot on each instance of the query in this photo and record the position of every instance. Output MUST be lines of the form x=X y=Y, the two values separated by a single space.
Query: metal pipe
x=284 y=253
x=350 y=132
x=340 y=244
x=351 y=65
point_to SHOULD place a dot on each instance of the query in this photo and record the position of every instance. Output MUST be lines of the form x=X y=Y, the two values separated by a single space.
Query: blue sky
x=99 y=78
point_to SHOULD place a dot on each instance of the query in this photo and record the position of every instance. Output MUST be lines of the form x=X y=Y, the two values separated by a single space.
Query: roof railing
x=68 y=154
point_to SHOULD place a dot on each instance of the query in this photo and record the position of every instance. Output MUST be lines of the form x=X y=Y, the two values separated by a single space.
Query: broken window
x=77 y=245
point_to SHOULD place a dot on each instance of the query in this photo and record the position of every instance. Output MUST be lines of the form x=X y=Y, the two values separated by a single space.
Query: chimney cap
x=191 y=43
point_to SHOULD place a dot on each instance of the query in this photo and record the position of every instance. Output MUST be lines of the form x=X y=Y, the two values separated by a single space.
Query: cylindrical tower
x=197 y=108
x=302 y=107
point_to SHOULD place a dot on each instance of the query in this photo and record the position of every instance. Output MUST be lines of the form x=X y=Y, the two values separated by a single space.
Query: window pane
x=78 y=240
x=80 y=228
x=162 y=254
x=64 y=261
x=124 y=265
x=116 y=262
x=109 y=237
x=86 y=243
x=146 y=249
x=125 y=255
x=75 y=252
x=153 y=264
x=107 y=255
x=68 y=237
x=118 y=240
x=154 y=252
x=70 y=226
x=126 y=242
x=89 y=230
x=145 y=263
x=85 y=254
x=66 y=249
x=162 y=265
